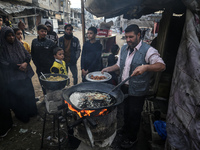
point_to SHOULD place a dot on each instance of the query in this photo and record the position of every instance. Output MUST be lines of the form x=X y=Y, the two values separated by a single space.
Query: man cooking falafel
x=137 y=59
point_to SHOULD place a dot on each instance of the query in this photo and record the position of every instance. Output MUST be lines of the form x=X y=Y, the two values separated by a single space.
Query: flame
x=82 y=113
x=102 y=112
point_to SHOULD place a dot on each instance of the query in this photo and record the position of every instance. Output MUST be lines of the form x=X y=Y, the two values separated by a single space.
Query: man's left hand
x=23 y=66
x=139 y=70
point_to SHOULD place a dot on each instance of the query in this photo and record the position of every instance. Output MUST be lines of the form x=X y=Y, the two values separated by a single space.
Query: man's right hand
x=105 y=70
x=110 y=69
x=84 y=73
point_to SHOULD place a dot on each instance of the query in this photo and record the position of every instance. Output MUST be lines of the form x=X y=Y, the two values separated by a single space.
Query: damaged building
x=32 y=11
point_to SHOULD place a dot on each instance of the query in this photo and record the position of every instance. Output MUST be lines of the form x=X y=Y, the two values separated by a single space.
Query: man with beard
x=51 y=35
x=71 y=46
x=137 y=59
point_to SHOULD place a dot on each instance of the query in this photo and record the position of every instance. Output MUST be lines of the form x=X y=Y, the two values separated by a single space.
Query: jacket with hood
x=51 y=35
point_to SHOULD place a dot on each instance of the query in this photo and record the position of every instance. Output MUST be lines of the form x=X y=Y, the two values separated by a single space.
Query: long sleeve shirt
x=91 y=56
x=42 y=54
x=152 y=57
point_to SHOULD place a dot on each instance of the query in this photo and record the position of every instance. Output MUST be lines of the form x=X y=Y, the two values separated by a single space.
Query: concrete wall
x=66 y=6
x=75 y=17
x=53 y=5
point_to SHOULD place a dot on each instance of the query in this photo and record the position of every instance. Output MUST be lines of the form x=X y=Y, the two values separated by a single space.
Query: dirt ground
x=28 y=136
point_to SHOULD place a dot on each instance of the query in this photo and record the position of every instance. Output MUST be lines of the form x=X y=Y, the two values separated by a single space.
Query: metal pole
x=83 y=20
x=64 y=12
x=35 y=20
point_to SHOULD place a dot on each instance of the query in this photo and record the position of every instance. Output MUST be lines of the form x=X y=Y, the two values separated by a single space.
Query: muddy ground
x=28 y=136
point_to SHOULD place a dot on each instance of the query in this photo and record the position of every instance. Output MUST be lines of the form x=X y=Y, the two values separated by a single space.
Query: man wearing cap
x=51 y=35
x=137 y=59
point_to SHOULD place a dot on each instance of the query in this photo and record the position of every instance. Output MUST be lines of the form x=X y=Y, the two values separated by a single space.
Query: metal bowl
x=98 y=73
x=54 y=85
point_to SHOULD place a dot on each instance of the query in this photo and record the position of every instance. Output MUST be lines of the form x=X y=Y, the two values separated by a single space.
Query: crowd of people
x=51 y=54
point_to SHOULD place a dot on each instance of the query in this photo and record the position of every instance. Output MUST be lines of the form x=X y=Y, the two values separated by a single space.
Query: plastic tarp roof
x=9 y=8
x=130 y=8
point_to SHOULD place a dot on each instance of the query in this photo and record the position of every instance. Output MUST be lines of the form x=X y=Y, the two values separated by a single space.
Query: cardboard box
x=104 y=32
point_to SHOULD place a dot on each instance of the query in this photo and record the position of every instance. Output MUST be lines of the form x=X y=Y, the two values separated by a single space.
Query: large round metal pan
x=54 y=85
x=98 y=73
x=94 y=87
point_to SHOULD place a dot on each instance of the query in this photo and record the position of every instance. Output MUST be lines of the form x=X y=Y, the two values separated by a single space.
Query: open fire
x=85 y=113
x=92 y=112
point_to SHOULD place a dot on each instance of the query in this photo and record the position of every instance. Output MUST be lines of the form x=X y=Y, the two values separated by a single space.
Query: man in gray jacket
x=137 y=59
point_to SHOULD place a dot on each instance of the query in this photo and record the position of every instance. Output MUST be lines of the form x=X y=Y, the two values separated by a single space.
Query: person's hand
x=105 y=70
x=139 y=70
x=84 y=73
x=23 y=66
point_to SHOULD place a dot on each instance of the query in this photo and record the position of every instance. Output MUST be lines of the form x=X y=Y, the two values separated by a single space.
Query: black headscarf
x=12 y=53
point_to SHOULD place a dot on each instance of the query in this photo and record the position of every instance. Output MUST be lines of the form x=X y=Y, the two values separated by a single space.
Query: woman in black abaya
x=17 y=72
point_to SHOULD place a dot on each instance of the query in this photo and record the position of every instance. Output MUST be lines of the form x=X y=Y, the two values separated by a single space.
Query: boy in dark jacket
x=42 y=51
x=91 y=54
x=71 y=46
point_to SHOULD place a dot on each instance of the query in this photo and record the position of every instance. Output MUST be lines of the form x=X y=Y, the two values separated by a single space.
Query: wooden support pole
x=162 y=40
x=83 y=20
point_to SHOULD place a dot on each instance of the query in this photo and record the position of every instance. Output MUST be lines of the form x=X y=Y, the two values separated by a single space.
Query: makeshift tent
x=178 y=42
x=131 y=8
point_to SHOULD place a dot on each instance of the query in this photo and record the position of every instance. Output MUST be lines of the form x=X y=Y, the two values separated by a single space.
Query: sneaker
x=4 y=134
x=128 y=143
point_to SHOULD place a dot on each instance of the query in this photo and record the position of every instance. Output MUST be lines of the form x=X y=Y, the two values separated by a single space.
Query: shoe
x=128 y=143
x=4 y=134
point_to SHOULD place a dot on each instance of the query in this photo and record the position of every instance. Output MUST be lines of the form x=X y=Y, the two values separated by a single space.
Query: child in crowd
x=42 y=52
x=112 y=60
x=59 y=65
x=18 y=34
x=91 y=54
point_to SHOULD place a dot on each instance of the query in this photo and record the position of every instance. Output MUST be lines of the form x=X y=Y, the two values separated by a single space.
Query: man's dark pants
x=73 y=69
x=23 y=32
x=133 y=106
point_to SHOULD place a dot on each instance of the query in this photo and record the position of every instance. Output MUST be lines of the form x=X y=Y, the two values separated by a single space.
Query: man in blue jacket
x=71 y=46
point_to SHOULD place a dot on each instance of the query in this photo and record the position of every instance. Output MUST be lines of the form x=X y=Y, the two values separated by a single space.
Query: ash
x=87 y=100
